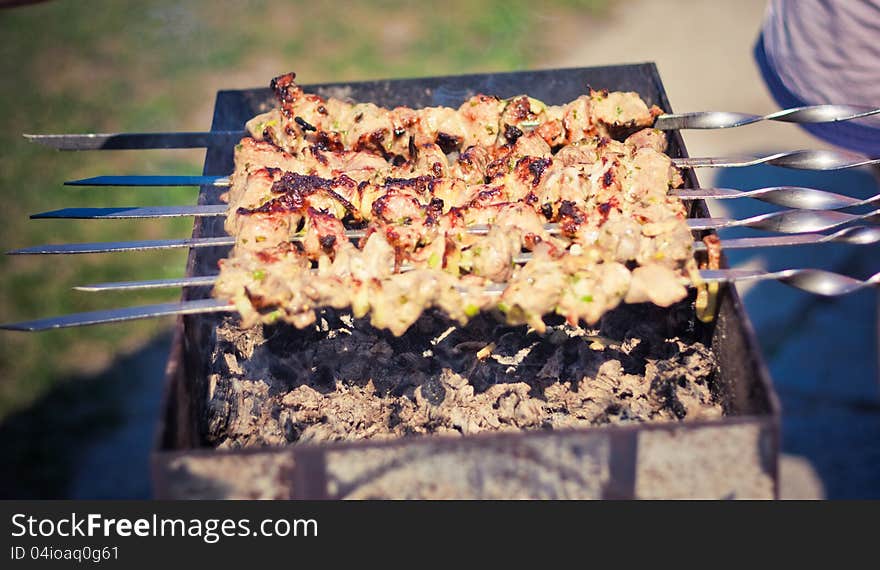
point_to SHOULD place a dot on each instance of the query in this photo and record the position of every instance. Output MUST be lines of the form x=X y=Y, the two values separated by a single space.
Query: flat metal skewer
x=785 y=221
x=798 y=197
x=160 y=180
x=134 y=212
x=797 y=159
x=696 y=120
x=136 y=141
x=815 y=281
x=859 y=235
x=124 y=314
x=120 y=246
x=727 y=120
x=787 y=196
x=172 y=283
x=852 y=235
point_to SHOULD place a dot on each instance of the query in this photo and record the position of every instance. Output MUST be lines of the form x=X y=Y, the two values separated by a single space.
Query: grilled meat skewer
x=304 y=120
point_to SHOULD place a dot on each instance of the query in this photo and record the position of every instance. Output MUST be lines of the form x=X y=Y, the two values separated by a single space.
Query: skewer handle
x=797 y=159
x=727 y=120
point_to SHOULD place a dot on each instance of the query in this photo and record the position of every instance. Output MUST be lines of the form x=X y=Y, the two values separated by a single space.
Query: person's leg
x=876 y=171
x=877 y=177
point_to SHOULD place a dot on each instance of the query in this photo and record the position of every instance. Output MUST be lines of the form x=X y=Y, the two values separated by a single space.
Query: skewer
x=134 y=212
x=853 y=235
x=124 y=314
x=798 y=159
x=119 y=246
x=785 y=221
x=815 y=281
x=147 y=180
x=697 y=120
x=727 y=120
x=135 y=141
x=174 y=282
x=786 y=196
x=859 y=235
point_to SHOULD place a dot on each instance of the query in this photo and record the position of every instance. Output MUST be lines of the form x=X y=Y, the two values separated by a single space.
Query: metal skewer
x=172 y=283
x=135 y=212
x=853 y=235
x=859 y=235
x=120 y=246
x=785 y=221
x=124 y=314
x=815 y=281
x=697 y=120
x=147 y=180
x=787 y=196
x=726 y=120
x=797 y=159
x=135 y=141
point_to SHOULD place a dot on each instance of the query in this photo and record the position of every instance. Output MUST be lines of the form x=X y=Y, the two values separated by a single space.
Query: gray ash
x=343 y=379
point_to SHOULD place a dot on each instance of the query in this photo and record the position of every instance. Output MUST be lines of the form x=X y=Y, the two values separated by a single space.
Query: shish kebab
x=855 y=235
x=419 y=221
x=693 y=120
x=814 y=281
x=824 y=113
x=522 y=182
x=653 y=280
x=305 y=121
x=326 y=136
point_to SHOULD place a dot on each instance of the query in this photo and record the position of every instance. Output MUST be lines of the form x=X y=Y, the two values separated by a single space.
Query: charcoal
x=345 y=380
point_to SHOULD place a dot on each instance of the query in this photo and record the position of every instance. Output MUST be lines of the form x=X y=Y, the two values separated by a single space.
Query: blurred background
x=78 y=407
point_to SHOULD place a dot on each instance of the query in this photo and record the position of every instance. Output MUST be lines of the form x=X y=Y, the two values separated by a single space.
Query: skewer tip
x=21 y=327
x=43 y=140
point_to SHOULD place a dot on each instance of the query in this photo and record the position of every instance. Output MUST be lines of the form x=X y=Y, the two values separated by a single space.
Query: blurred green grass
x=104 y=66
